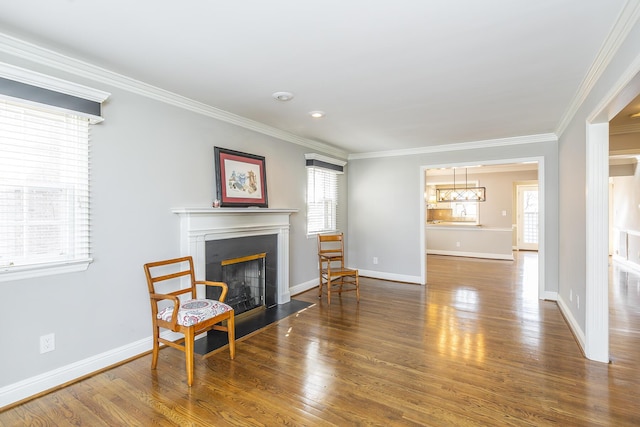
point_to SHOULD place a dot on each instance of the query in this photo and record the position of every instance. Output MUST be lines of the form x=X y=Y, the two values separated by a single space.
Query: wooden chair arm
x=176 y=305
x=222 y=285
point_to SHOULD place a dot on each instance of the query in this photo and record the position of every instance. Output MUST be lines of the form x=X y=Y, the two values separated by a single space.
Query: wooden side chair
x=180 y=310
x=333 y=274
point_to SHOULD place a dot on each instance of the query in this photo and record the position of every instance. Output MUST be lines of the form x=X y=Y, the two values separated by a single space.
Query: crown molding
x=622 y=129
x=55 y=84
x=472 y=145
x=625 y=23
x=39 y=55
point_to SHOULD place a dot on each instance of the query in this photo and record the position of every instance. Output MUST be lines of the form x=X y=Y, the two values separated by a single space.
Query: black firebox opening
x=217 y=251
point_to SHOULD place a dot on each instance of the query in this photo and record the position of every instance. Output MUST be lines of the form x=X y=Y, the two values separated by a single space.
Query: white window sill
x=315 y=235
x=27 y=272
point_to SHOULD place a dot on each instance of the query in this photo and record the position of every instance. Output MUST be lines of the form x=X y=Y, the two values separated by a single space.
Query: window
x=450 y=211
x=44 y=180
x=465 y=212
x=322 y=200
x=44 y=186
x=322 y=193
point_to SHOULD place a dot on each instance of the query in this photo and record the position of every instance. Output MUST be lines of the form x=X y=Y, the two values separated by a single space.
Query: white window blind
x=44 y=186
x=322 y=200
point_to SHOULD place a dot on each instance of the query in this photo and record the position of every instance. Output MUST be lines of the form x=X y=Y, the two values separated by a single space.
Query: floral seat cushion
x=194 y=311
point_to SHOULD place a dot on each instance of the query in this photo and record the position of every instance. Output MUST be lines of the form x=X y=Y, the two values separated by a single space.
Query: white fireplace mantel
x=198 y=225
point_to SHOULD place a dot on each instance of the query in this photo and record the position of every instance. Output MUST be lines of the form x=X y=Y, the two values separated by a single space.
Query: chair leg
x=231 y=333
x=189 y=337
x=357 y=287
x=328 y=290
x=320 y=287
x=156 y=347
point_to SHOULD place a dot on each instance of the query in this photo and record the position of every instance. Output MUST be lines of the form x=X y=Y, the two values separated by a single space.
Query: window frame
x=30 y=89
x=324 y=165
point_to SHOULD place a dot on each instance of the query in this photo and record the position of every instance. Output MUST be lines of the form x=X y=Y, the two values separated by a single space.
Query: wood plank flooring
x=473 y=348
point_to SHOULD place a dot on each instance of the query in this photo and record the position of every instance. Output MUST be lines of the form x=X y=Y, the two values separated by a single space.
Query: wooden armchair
x=333 y=274
x=180 y=310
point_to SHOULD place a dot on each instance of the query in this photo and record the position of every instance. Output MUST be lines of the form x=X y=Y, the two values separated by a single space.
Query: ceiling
x=390 y=75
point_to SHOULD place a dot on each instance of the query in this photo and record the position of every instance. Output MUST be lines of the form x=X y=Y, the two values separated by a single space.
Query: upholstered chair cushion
x=194 y=311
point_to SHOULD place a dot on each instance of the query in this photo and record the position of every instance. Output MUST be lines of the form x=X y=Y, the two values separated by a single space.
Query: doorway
x=505 y=165
x=596 y=335
x=527 y=217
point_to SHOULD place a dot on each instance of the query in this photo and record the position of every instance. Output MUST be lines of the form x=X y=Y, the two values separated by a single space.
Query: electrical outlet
x=47 y=343
x=375 y=259
x=457 y=244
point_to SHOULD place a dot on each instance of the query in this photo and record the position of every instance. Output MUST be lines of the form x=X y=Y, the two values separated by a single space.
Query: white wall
x=626 y=202
x=147 y=158
x=626 y=218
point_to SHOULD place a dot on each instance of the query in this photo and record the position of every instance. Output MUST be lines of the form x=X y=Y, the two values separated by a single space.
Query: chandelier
x=461 y=194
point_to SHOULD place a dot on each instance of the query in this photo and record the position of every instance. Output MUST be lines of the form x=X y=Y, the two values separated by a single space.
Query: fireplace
x=214 y=235
x=245 y=278
x=249 y=267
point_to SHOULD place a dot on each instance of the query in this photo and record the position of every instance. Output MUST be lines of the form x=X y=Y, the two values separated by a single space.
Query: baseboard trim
x=47 y=381
x=573 y=324
x=303 y=287
x=390 y=276
x=625 y=263
x=506 y=257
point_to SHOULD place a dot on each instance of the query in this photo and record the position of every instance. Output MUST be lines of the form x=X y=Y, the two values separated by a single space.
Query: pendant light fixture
x=459 y=194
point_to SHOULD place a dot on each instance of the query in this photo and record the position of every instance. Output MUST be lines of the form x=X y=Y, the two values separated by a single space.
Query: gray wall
x=384 y=207
x=147 y=158
x=572 y=178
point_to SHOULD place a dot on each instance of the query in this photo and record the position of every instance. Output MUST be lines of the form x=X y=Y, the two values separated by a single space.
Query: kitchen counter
x=452 y=224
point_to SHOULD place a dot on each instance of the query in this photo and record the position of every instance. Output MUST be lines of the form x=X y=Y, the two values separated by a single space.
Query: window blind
x=322 y=199
x=44 y=186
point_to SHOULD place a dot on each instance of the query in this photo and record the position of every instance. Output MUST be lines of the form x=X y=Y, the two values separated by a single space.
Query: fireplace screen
x=245 y=278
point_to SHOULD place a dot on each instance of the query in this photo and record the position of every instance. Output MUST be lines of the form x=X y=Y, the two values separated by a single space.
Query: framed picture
x=241 y=179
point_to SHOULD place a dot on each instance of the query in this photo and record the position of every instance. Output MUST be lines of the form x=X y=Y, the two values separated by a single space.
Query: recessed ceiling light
x=317 y=114
x=283 y=96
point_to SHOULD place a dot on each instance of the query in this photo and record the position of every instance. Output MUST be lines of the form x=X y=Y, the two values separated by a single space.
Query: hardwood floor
x=473 y=347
